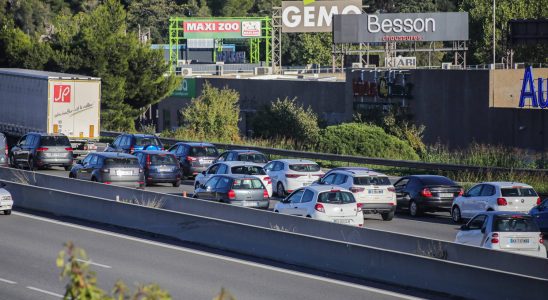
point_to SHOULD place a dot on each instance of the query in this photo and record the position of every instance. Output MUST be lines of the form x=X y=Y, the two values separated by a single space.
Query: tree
x=315 y=48
x=153 y=15
x=214 y=115
x=236 y=8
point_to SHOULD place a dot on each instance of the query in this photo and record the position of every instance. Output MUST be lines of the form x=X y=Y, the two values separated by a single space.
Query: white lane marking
x=217 y=256
x=94 y=263
x=45 y=292
x=7 y=281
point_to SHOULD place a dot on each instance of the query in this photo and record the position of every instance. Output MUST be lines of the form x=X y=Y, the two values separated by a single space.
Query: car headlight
x=4 y=198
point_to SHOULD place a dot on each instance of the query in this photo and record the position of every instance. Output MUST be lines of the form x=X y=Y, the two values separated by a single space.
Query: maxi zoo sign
x=219 y=29
x=315 y=16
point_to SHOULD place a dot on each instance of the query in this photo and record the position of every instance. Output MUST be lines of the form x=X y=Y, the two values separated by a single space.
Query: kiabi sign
x=528 y=91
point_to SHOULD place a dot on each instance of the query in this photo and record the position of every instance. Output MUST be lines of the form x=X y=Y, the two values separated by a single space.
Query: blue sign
x=528 y=90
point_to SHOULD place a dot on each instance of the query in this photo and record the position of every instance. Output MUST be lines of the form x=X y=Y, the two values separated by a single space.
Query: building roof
x=44 y=74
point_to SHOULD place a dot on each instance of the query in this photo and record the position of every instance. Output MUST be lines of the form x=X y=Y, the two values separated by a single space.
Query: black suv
x=194 y=157
x=40 y=150
x=129 y=143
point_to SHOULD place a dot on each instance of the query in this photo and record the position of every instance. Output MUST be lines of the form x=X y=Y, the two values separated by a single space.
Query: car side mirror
x=464 y=227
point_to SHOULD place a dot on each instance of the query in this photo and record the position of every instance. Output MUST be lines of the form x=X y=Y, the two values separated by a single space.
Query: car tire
x=71 y=175
x=148 y=183
x=276 y=211
x=67 y=168
x=12 y=162
x=387 y=216
x=280 y=191
x=414 y=209
x=7 y=212
x=32 y=166
x=94 y=179
x=456 y=215
x=177 y=183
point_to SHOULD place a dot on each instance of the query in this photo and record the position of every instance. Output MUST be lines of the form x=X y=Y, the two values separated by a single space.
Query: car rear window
x=304 y=167
x=437 y=181
x=247 y=184
x=374 y=180
x=337 y=197
x=514 y=223
x=145 y=141
x=54 y=141
x=248 y=170
x=517 y=192
x=253 y=157
x=121 y=162
x=162 y=159
x=203 y=151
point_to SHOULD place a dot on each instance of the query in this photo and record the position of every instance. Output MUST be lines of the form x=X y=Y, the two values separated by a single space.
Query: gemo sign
x=528 y=92
x=316 y=16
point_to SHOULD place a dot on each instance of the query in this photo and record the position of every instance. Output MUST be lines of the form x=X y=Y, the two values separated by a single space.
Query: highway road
x=29 y=245
x=431 y=225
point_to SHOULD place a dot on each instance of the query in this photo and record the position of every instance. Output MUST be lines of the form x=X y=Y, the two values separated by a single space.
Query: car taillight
x=501 y=202
x=494 y=238
x=392 y=189
x=41 y=149
x=355 y=189
x=541 y=238
x=107 y=182
x=131 y=149
x=265 y=194
x=359 y=206
x=293 y=175
x=231 y=194
x=191 y=159
x=105 y=170
x=426 y=193
x=68 y=148
x=319 y=207
x=538 y=201
x=7 y=150
x=461 y=192
x=148 y=160
x=268 y=180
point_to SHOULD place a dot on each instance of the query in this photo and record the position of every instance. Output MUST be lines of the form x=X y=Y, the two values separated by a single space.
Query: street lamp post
x=494 y=42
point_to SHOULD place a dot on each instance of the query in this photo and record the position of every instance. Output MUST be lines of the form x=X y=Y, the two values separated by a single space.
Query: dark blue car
x=159 y=167
x=540 y=215
x=130 y=143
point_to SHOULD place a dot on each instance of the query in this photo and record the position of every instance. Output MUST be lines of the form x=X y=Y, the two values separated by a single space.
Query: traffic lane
x=32 y=244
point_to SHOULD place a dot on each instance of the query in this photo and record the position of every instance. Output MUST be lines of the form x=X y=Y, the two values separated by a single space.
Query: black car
x=243 y=155
x=426 y=193
x=40 y=150
x=194 y=157
x=4 y=150
x=129 y=143
x=159 y=167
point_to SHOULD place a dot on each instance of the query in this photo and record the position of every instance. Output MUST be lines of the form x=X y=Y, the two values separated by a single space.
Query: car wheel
x=177 y=183
x=280 y=191
x=67 y=168
x=32 y=166
x=12 y=162
x=276 y=211
x=71 y=175
x=7 y=212
x=94 y=179
x=148 y=183
x=414 y=209
x=387 y=216
x=455 y=214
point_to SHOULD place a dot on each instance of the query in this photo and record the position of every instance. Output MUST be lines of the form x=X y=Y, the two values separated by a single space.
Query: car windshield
x=305 y=167
x=203 y=151
x=336 y=197
x=253 y=157
x=375 y=180
x=162 y=159
x=437 y=180
x=248 y=170
x=54 y=141
x=247 y=184
x=122 y=162
x=517 y=192
x=514 y=223
x=146 y=140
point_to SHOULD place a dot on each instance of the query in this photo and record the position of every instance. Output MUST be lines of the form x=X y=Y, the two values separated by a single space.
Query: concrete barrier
x=371 y=263
x=521 y=264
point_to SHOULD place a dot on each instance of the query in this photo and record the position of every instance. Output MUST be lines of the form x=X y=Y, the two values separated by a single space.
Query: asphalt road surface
x=29 y=245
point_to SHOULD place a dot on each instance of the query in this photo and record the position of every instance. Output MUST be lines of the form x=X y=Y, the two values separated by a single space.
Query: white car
x=496 y=196
x=372 y=189
x=6 y=202
x=325 y=203
x=506 y=231
x=235 y=167
x=290 y=174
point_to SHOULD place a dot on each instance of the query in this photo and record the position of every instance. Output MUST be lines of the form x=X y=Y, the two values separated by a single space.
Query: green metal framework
x=177 y=38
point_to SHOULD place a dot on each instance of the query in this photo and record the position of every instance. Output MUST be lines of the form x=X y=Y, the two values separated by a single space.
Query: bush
x=285 y=119
x=364 y=140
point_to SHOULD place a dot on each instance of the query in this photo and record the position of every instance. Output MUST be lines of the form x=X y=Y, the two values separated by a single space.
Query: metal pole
x=494 y=42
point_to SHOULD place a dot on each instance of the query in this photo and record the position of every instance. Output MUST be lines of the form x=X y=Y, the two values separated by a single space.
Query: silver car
x=110 y=168
x=241 y=190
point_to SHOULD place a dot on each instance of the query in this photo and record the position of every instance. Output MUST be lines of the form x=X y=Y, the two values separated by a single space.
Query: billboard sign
x=221 y=29
x=187 y=89
x=401 y=62
x=315 y=16
x=530 y=97
x=403 y=27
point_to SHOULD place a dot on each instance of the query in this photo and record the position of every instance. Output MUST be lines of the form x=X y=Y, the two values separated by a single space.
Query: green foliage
x=213 y=115
x=236 y=8
x=153 y=15
x=82 y=283
x=315 y=48
x=287 y=119
x=364 y=140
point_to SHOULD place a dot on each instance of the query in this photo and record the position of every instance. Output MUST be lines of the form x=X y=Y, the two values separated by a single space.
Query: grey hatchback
x=39 y=150
x=237 y=189
x=3 y=150
x=110 y=168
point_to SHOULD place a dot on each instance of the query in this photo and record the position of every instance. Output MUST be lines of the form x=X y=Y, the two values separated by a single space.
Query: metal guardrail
x=365 y=262
x=360 y=160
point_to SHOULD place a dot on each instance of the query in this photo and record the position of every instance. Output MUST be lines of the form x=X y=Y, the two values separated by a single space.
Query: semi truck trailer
x=49 y=102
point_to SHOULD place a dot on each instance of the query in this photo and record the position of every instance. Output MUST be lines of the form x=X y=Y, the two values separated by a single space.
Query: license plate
x=342 y=221
x=250 y=203
x=56 y=154
x=123 y=173
x=206 y=161
x=519 y=241
x=374 y=192
x=446 y=195
x=307 y=183
x=164 y=169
